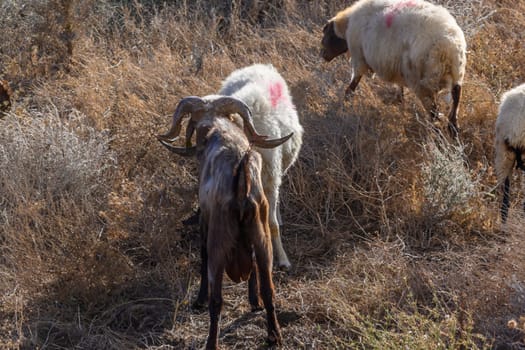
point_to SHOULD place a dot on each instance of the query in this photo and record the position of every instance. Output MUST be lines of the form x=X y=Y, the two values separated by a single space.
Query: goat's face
x=331 y=44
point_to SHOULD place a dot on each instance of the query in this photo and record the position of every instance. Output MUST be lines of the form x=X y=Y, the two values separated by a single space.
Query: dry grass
x=393 y=229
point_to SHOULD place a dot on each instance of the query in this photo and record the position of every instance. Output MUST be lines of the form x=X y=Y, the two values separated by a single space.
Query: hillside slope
x=393 y=229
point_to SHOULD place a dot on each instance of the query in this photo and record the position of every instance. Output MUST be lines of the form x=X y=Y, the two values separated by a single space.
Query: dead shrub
x=54 y=175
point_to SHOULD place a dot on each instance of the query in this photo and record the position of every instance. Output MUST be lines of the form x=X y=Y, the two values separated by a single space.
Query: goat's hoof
x=274 y=340
x=256 y=308
x=199 y=305
x=193 y=219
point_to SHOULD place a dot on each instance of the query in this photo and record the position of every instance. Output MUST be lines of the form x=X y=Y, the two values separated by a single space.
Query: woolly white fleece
x=510 y=126
x=267 y=95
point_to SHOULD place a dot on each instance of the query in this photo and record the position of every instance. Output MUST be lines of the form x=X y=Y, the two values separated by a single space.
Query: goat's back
x=231 y=196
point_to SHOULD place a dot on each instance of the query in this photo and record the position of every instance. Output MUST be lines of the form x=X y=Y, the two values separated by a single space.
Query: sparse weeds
x=435 y=328
x=448 y=183
x=54 y=174
x=470 y=15
x=92 y=251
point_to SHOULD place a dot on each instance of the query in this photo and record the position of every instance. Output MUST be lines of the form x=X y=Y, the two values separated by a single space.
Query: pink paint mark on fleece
x=276 y=93
x=389 y=17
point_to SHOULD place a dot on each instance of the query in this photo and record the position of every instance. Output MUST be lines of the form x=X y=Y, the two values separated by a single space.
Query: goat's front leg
x=215 y=303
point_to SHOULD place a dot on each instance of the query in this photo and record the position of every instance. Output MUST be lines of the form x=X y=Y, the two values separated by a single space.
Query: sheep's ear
x=325 y=28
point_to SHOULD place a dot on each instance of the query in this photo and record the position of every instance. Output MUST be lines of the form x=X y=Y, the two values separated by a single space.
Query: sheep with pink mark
x=265 y=92
x=510 y=141
x=412 y=43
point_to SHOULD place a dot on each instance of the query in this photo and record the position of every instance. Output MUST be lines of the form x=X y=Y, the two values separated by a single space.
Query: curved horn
x=272 y=143
x=181 y=151
x=186 y=151
x=187 y=105
x=229 y=105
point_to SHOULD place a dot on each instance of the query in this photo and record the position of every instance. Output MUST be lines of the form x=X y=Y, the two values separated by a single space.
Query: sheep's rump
x=510 y=123
x=264 y=90
x=402 y=39
x=510 y=131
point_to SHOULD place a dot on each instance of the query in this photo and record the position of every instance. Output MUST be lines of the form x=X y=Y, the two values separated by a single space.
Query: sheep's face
x=332 y=45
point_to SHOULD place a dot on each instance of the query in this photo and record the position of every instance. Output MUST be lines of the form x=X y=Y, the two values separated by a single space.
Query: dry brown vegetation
x=392 y=228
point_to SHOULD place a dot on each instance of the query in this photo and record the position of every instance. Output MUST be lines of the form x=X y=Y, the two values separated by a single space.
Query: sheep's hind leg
x=274 y=218
x=279 y=243
x=282 y=259
x=453 y=117
x=505 y=202
x=427 y=98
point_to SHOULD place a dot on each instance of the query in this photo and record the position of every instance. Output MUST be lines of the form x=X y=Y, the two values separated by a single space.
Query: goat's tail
x=242 y=183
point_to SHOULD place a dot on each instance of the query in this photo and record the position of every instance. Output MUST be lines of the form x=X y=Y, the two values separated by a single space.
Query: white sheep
x=510 y=140
x=412 y=43
x=266 y=94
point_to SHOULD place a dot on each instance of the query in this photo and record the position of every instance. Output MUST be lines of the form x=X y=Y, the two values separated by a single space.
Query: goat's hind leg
x=253 y=287
x=215 y=303
x=263 y=254
x=202 y=297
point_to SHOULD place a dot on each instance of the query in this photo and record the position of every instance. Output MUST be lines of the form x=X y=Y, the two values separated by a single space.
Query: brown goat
x=234 y=220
